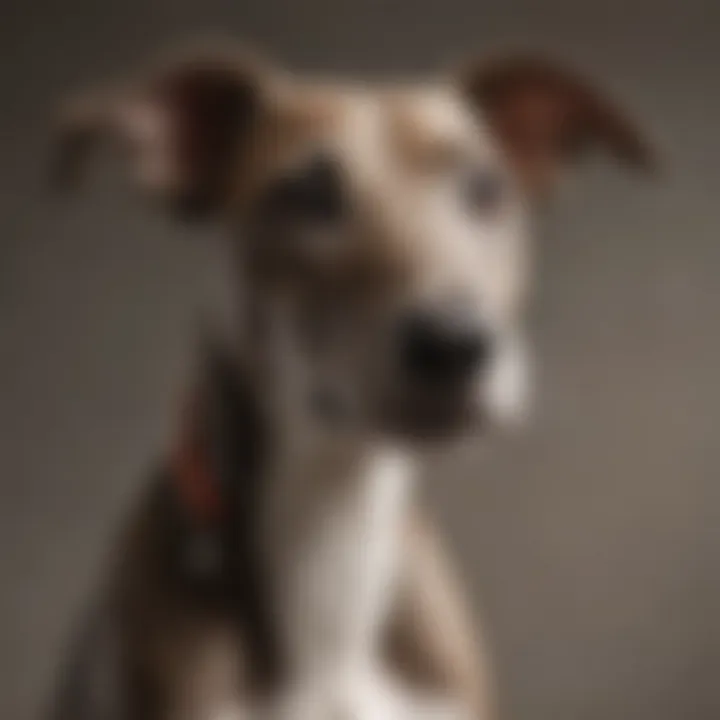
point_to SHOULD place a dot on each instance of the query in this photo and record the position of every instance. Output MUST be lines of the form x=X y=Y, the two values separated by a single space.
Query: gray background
x=590 y=543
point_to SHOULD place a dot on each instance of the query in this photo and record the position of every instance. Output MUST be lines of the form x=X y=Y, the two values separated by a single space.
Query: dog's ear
x=184 y=127
x=546 y=117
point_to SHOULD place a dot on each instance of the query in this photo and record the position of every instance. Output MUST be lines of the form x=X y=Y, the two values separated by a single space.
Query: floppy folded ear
x=183 y=127
x=546 y=117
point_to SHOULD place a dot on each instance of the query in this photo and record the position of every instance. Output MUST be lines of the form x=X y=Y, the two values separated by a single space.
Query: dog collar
x=215 y=468
x=215 y=483
x=195 y=483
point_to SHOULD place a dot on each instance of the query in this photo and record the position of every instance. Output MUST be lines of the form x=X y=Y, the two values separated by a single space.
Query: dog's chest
x=333 y=527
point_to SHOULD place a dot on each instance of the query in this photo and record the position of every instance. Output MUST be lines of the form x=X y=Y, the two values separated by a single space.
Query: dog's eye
x=485 y=190
x=313 y=193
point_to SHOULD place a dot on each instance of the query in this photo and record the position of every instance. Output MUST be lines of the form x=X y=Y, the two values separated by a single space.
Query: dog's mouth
x=433 y=413
x=403 y=410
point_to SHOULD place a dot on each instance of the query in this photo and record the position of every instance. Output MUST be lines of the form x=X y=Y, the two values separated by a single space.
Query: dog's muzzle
x=443 y=352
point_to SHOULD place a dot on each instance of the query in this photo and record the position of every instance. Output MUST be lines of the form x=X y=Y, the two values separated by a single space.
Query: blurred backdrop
x=591 y=543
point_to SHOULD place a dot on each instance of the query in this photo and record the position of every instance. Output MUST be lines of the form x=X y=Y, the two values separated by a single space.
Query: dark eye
x=485 y=190
x=313 y=193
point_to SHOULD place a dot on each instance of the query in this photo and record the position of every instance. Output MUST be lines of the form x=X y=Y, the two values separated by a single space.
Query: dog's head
x=380 y=231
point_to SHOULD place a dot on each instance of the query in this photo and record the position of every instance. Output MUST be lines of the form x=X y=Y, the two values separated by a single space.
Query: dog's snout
x=440 y=346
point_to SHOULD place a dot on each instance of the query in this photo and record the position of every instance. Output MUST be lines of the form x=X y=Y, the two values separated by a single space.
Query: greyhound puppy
x=379 y=235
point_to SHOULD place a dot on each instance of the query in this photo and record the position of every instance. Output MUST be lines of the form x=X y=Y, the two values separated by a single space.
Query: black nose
x=441 y=346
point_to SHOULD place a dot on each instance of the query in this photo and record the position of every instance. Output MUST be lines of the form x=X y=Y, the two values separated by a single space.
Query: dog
x=280 y=564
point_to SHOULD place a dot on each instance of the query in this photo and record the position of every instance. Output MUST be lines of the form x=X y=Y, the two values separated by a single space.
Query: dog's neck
x=333 y=517
x=332 y=513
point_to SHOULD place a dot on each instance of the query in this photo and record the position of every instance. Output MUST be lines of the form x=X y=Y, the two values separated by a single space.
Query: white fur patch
x=507 y=391
x=372 y=694
x=231 y=712
x=336 y=516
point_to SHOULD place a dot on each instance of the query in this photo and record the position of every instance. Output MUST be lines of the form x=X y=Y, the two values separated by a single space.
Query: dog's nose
x=441 y=346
